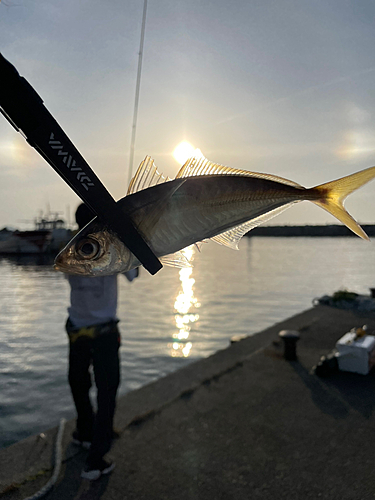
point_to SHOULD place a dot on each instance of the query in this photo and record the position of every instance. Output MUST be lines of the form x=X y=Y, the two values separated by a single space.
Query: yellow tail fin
x=333 y=195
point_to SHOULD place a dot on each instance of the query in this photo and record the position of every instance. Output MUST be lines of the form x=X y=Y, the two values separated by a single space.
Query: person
x=94 y=340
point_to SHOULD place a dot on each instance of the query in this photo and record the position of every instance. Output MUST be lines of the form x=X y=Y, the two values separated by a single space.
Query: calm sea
x=167 y=320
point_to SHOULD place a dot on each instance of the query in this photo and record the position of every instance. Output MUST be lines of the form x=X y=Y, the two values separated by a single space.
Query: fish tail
x=332 y=196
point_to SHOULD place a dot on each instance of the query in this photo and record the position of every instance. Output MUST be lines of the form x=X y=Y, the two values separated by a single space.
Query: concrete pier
x=242 y=424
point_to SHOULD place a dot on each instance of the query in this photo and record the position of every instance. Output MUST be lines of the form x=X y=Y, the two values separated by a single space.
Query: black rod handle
x=24 y=109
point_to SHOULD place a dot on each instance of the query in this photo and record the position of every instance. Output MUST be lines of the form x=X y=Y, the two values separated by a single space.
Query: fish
x=205 y=201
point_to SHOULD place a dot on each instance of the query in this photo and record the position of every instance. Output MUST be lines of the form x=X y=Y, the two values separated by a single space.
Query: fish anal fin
x=232 y=237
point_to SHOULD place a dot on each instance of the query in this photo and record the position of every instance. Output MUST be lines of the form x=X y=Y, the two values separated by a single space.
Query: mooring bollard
x=290 y=338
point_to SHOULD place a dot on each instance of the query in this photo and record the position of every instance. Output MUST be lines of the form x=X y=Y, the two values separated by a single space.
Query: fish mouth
x=68 y=265
x=65 y=269
x=60 y=265
x=57 y=264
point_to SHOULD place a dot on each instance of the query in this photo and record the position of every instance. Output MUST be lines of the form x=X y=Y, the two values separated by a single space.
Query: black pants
x=101 y=352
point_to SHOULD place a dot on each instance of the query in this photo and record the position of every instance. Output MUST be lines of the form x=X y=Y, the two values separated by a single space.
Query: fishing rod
x=23 y=108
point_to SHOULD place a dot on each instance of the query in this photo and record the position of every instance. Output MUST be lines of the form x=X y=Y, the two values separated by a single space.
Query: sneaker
x=101 y=468
x=79 y=441
x=86 y=443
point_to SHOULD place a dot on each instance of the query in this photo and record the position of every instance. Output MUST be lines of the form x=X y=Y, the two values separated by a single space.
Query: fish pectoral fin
x=146 y=176
x=232 y=237
x=146 y=224
x=177 y=259
x=333 y=195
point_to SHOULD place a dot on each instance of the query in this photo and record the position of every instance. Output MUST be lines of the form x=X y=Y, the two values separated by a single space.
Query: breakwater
x=271 y=425
x=316 y=231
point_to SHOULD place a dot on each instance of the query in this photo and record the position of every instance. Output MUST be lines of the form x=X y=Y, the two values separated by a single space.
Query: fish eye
x=88 y=249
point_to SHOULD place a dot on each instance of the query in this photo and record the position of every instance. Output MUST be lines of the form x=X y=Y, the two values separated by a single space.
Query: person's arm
x=131 y=275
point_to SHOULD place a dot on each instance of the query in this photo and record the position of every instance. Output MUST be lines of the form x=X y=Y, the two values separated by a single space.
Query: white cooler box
x=356 y=354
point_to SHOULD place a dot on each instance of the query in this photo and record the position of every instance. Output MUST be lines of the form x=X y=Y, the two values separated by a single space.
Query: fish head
x=95 y=251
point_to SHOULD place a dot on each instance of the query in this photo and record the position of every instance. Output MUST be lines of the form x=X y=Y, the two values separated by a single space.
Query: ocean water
x=166 y=320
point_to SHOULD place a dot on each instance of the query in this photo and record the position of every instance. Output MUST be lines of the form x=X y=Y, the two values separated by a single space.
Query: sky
x=277 y=86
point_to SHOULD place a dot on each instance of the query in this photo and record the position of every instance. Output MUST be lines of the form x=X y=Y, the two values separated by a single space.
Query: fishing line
x=137 y=88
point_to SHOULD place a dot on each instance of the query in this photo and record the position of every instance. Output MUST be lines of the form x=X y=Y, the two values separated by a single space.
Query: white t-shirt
x=92 y=300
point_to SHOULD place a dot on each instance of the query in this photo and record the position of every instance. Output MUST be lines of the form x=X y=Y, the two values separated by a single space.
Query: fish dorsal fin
x=232 y=237
x=199 y=165
x=146 y=176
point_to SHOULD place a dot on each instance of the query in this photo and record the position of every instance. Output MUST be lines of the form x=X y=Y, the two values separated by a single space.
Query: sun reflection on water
x=184 y=303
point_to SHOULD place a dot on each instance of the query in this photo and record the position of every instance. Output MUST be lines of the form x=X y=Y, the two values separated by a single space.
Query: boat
x=49 y=236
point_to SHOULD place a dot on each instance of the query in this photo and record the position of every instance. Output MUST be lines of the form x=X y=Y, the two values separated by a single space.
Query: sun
x=183 y=152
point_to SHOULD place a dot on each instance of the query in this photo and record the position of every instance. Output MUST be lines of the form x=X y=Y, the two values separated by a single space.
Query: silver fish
x=204 y=201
